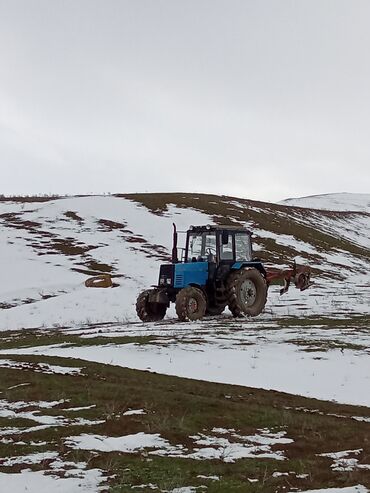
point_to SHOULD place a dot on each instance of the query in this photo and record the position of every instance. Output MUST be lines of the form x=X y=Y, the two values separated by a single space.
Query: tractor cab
x=210 y=253
x=215 y=244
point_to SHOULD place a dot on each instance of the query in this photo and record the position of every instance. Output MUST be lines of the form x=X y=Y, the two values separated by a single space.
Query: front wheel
x=191 y=304
x=246 y=292
x=148 y=311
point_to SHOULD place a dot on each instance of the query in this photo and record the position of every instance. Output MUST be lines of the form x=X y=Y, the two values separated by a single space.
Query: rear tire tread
x=233 y=288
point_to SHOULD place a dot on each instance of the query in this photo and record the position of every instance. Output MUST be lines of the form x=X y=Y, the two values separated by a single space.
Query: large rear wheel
x=148 y=311
x=190 y=304
x=246 y=292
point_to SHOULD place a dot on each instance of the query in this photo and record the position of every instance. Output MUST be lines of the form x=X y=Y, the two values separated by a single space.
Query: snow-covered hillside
x=359 y=202
x=49 y=248
x=313 y=343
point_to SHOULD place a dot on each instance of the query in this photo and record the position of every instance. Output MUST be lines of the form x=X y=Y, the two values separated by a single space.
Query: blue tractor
x=216 y=269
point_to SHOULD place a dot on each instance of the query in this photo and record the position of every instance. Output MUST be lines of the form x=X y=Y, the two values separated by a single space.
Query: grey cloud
x=261 y=99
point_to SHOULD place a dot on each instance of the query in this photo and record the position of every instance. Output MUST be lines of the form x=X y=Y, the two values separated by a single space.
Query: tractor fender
x=254 y=264
x=198 y=286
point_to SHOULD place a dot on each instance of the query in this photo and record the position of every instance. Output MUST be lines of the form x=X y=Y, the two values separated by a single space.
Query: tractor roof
x=219 y=227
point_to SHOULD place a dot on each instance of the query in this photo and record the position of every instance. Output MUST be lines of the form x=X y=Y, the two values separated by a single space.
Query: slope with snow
x=356 y=202
x=49 y=248
x=315 y=343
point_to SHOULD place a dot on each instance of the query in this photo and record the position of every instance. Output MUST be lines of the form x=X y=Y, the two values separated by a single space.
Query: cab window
x=226 y=250
x=243 y=248
x=201 y=246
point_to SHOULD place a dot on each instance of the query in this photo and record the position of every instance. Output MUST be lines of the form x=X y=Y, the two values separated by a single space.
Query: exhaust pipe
x=175 y=260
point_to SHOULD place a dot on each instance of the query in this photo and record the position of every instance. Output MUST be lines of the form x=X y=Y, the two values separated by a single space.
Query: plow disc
x=300 y=275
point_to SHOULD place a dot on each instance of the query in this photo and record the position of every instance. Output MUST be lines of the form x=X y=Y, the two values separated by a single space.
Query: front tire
x=246 y=292
x=149 y=312
x=191 y=304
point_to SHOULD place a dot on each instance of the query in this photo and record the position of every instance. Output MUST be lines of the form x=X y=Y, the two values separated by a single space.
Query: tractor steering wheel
x=211 y=251
x=211 y=257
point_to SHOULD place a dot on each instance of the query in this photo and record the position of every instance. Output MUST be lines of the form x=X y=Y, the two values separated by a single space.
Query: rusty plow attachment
x=300 y=275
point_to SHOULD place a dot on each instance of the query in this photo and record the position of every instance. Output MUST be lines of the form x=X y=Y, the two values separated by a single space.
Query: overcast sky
x=259 y=99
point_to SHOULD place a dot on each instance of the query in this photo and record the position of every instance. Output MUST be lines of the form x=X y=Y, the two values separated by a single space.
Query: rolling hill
x=92 y=399
x=345 y=202
x=50 y=246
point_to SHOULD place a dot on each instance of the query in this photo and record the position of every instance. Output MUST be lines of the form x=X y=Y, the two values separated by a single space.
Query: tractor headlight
x=165 y=281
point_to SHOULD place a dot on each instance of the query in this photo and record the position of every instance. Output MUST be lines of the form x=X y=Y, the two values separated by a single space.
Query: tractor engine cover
x=166 y=275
